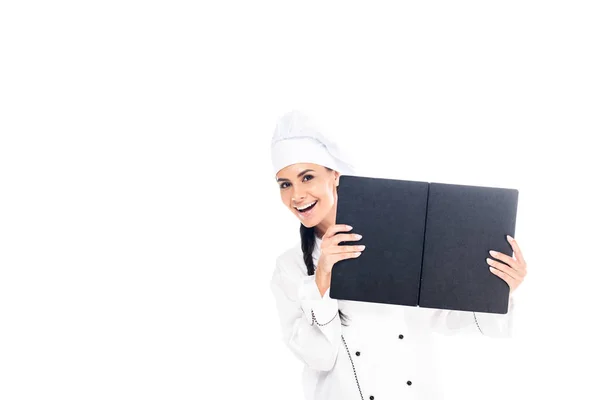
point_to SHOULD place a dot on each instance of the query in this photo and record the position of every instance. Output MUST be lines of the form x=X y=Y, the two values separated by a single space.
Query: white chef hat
x=298 y=140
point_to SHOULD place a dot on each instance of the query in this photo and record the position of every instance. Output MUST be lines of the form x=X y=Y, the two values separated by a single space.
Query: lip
x=307 y=214
x=304 y=205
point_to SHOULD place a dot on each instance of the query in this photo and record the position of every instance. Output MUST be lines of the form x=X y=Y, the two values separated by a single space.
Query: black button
x=358 y=353
x=371 y=397
x=409 y=383
x=401 y=337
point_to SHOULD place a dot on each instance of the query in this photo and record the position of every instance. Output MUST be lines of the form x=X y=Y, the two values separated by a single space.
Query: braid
x=308 y=246
x=307 y=236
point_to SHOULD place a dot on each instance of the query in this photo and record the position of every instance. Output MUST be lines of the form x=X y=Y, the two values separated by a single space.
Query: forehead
x=292 y=171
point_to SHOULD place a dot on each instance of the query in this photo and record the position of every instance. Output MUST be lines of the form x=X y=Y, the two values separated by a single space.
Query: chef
x=355 y=350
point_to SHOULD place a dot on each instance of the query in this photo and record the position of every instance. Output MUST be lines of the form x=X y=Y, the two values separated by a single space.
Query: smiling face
x=309 y=191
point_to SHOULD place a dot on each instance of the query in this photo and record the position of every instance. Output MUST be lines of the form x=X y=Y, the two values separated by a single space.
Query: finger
x=333 y=229
x=345 y=249
x=512 y=282
x=345 y=256
x=504 y=268
x=517 y=250
x=345 y=237
x=506 y=259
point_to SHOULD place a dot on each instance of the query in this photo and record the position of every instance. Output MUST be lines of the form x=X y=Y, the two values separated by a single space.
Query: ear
x=337 y=178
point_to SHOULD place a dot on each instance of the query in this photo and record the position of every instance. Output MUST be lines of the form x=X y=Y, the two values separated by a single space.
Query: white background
x=139 y=218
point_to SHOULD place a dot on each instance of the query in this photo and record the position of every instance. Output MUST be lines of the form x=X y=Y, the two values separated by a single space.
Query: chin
x=309 y=224
x=312 y=219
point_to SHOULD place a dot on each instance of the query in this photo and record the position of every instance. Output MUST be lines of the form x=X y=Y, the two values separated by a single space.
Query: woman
x=354 y=350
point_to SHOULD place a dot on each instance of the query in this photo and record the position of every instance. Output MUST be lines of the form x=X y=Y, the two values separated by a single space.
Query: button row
x=407 y=382
x=399 y=337
x=373 y=397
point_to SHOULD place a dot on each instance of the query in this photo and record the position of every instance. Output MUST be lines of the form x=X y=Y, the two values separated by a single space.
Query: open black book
x=426 y=243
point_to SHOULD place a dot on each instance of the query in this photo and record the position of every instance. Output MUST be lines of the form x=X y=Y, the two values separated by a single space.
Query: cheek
x=285 y=197
x=326 y=195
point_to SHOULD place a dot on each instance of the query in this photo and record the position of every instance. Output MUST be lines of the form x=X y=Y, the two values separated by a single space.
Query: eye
x=307 y=177
x=284 y=185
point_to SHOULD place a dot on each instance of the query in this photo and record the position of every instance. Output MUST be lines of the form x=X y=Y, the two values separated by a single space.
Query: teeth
x=305 y=207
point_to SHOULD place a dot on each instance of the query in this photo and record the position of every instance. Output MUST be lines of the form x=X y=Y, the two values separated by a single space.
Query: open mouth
x=306 y=207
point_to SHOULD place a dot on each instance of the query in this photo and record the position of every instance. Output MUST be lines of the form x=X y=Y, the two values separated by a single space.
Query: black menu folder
x=426 y=243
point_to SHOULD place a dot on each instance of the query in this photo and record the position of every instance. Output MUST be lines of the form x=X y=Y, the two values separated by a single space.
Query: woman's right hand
x=331 y=253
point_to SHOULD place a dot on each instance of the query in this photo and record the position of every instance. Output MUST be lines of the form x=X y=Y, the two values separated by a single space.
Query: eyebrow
x=299 y=175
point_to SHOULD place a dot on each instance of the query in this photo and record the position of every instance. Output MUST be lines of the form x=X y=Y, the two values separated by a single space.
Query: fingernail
x=361 y=247
x=493 y=253
x=359 y=237
x=510 y=239
x=349 y=227
x=489 y=261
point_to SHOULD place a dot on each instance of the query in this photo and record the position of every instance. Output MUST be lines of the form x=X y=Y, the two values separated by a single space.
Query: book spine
x=423 y=249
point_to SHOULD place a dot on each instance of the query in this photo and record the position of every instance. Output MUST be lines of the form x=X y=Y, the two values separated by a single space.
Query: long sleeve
x=310 y=324
x=452 y=322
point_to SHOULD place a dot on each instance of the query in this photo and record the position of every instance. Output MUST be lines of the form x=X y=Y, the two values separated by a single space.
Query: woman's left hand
x=512 y=269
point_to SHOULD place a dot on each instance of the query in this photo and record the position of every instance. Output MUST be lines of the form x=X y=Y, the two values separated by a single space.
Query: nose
x=298 y=195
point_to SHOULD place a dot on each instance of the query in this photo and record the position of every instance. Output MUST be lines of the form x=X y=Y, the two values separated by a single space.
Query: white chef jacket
x=384 y=353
